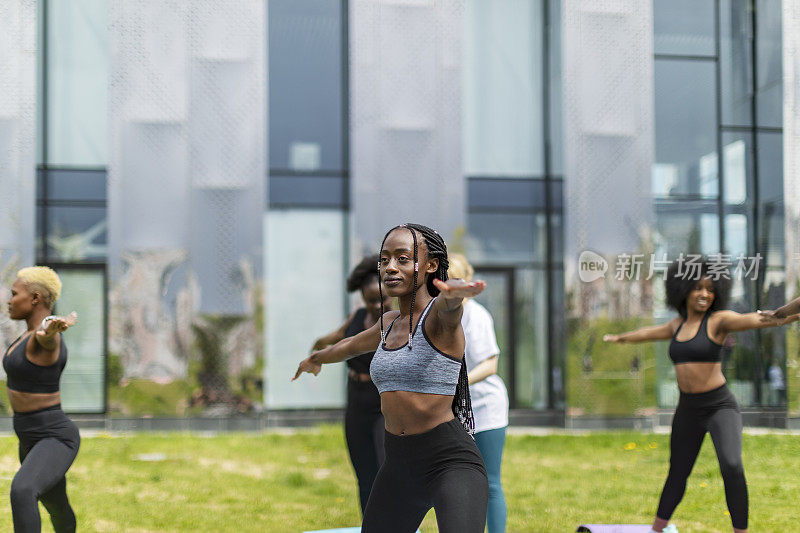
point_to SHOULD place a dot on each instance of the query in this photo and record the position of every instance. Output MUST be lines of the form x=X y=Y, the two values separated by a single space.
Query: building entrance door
x=498 y=299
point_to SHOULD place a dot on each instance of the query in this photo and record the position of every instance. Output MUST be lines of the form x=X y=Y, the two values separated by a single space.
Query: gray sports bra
x=419 y=368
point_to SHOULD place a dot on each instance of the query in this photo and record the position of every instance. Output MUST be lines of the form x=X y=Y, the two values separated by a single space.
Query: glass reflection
x=685 y=129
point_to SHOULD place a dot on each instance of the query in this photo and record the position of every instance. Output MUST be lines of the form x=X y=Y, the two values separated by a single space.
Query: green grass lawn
x=303 y=481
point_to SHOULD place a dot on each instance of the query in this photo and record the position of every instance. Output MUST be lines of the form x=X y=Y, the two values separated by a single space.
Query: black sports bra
x=26 y=376
x=698 y=349
x=359 y=363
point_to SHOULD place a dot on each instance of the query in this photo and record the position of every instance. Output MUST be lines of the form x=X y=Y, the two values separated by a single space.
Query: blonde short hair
x=43 y=280
x=460 y=268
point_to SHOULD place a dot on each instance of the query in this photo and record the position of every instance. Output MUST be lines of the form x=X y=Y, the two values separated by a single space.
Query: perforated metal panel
x=406 y=116
x=187 y=111
x=791 y=139
x=17 y=146
x=608 y=123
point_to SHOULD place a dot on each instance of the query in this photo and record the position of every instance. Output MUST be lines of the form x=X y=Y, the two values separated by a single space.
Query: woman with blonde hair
x=487 y=390
x=48 y=440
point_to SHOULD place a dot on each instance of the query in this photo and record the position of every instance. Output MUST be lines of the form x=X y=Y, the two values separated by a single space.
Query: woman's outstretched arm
x=650 y=333
x=366 y=341
x=731 y=321
x=334 y=336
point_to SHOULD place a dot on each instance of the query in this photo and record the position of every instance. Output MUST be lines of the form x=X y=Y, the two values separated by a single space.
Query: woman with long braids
x=705 y=405
x=363 y=421
x=419 y=369
x=48 y=440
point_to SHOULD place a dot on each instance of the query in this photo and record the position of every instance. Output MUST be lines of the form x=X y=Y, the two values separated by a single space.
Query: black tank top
x=361 y=363
x=698 y=349
x=25 y=376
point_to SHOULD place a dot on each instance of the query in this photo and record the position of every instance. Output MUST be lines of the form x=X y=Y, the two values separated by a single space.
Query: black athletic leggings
x=441 y=468
x=364 y=429
x=48 y=443
x=717 y=413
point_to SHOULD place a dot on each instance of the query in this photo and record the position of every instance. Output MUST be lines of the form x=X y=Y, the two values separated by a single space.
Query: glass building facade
x=71 y=183
x=204 y=179
x=514 y=179
x=719 y=187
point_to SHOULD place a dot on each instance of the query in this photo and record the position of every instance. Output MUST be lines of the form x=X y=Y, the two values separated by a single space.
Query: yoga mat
x=342 y=530
x=613 y=528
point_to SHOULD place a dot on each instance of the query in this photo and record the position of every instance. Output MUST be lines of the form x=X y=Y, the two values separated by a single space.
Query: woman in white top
x=488 y=392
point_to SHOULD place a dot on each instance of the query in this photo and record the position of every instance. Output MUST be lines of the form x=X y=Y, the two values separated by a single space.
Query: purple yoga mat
x=614 y=528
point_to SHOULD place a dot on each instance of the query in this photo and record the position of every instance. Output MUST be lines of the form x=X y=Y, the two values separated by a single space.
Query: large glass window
x=71 y=183
x=512 y=158
x=705 y=204
x=306 y=69
x=770 y=196
x=505 y=237
x=737 y=166
x=735 y=57
x=507 y=220
x=686 y=129
x=503 y=83
x=531 y=379
x=83 y=380
x=307 y=110
x=308 y=194
x=76 y=83
x=736 y=235
x=71 y=207
x=555 y=107
x=503 y=243
x=497 y=299
x=690 y=228
x=770 y=369
x=769 y=64
x=770 y=167
x=298 y=241
x=684 y=27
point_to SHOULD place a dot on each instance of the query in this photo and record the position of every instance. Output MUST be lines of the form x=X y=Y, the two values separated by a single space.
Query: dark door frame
x=101 y=267
x=511 y=310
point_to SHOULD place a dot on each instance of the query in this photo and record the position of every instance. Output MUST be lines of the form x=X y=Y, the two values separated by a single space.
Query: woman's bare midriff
x=25 y=402
x=410 y=413
x=694 y=378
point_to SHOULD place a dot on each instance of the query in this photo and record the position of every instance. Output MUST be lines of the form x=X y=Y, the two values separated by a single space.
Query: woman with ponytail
x=487 y=391
x=420 y=372
x=363 y=420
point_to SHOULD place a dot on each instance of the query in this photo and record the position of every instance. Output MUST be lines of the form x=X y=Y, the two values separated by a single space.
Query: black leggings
x=48 y=443
x=364 y=429
x=441 y=468
x=717 y=413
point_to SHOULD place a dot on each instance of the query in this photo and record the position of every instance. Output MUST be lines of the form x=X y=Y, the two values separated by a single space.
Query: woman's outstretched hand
x=56 y=324
x=767 y=316
x=307 y=365
x=458 y=288
x=771 y=317
x=611 y=338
